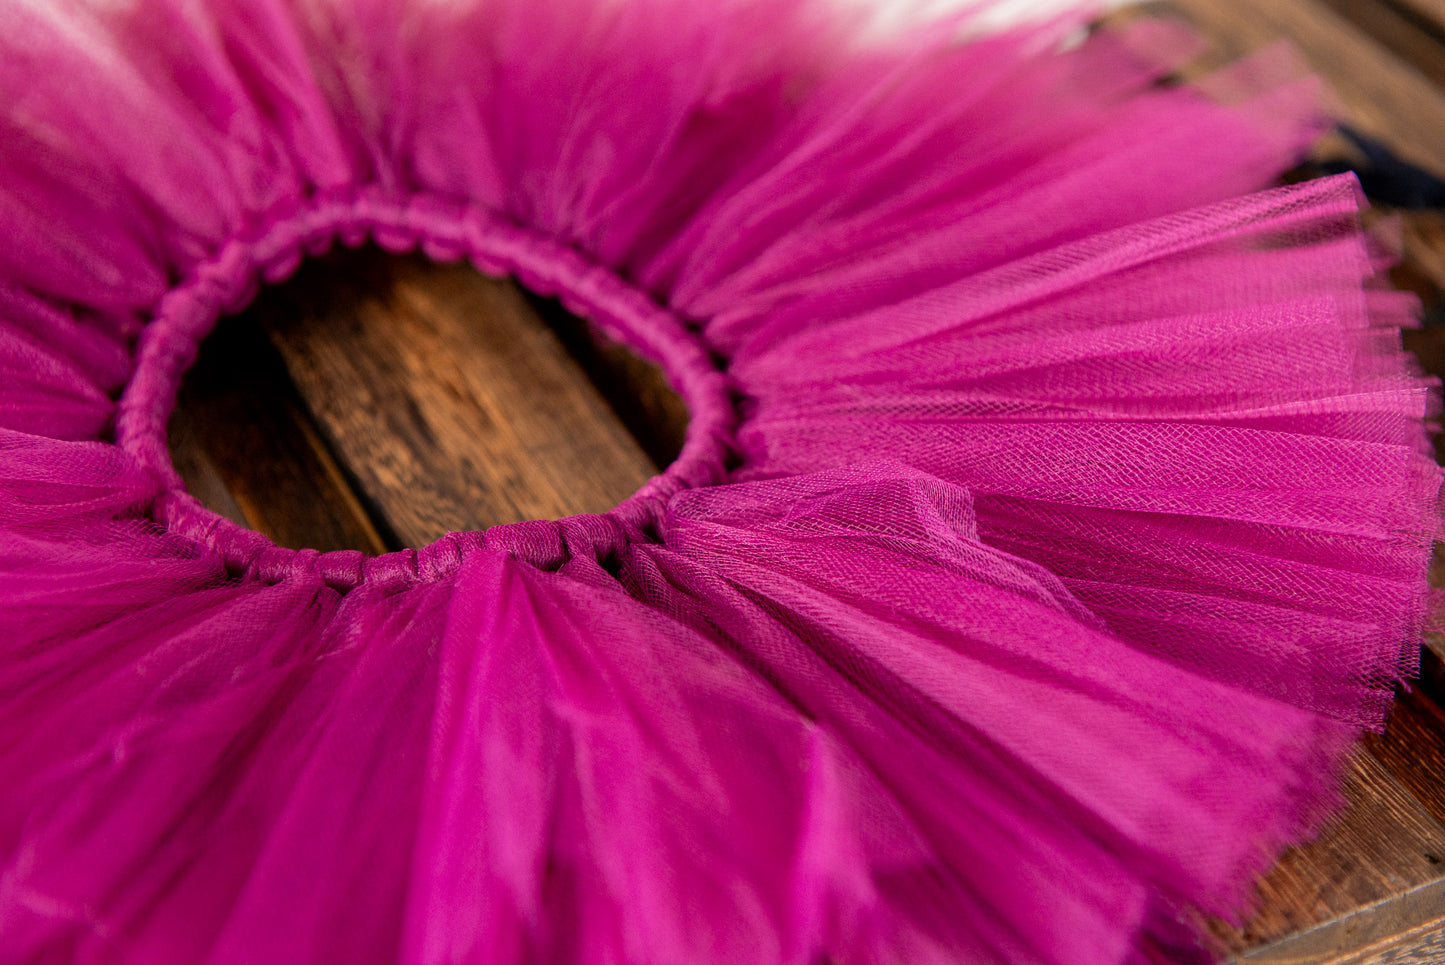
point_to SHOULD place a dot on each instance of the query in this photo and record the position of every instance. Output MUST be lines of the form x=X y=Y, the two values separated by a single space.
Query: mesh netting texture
x=1054 y=513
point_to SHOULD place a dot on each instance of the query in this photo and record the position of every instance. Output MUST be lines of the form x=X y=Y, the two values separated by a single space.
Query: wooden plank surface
x=1383 y=846
x=1428 y=14
x=1379 y=92
x=245 y=443
x=454 y=404
x=435 y=400
x=375 y=402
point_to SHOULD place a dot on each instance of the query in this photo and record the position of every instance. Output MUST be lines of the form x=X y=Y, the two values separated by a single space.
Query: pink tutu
x=1053 y=514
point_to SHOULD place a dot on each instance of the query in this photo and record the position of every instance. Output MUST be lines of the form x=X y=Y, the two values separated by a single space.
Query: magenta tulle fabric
x=1054 y=513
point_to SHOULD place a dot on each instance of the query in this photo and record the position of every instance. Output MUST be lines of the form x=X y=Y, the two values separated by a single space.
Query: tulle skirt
x=1054 y=513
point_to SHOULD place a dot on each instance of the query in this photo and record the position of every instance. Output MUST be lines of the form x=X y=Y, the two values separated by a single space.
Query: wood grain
x=636 y=390
x=1382 y=845
x=1413 y=749
x=1424 y=236
x=243 y=442
x=1409 y=929
x=450 y=399
x=1395 y=95
x=1406 y=37
x=1429 y=14
x=1380 y=94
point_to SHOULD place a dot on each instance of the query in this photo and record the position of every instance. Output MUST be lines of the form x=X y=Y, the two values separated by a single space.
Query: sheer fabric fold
x=1078 y=520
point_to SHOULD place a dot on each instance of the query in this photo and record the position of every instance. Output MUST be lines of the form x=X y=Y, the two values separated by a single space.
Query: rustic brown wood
x=1413 y=749
x=636 y=390
x=1425 y=946
x=1405 y=36
x=1429 y=14
x=1383 y=844
x=450 y=400
x=1424 y=236
x=245 y=446
x=193 y=462
x=1410 y=929
x=1379 y=93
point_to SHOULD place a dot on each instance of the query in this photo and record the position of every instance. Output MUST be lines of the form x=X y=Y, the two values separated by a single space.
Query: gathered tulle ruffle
x=789 y=743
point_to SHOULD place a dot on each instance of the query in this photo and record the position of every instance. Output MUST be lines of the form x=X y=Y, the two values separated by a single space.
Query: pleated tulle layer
x=1074 y=517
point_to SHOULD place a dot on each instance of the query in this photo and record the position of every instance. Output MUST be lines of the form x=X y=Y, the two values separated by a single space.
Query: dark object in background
x=1386 y=178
